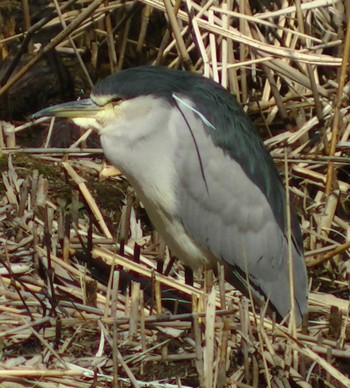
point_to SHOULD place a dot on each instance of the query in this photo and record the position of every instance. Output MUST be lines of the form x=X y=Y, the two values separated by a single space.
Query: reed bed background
x=84 y=298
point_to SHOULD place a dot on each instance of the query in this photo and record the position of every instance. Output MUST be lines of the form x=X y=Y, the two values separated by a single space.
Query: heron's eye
x=117 y=100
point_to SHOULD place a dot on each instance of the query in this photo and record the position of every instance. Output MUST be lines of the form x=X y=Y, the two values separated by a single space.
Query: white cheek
x=133 y=121
x=109 y=117
x=86 y=123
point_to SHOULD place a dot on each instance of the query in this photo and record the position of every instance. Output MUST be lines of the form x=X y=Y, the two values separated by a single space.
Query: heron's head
x=131 y=96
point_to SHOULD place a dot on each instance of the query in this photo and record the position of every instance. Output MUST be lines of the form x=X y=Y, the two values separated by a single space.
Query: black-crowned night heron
x=207 y=182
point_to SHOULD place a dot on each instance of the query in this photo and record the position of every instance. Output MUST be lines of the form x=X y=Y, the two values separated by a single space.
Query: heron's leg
x=188 y=276
x=169 y=266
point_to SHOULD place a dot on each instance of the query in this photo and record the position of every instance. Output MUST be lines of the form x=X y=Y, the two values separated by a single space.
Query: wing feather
x=232 y=217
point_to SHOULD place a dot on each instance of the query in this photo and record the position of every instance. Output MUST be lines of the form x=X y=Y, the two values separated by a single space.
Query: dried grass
x=60 y=327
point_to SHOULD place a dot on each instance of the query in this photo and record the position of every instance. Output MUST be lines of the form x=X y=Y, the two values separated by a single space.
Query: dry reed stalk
x=110 y=40
x=336 y=118
x=88 y=198
x=39 y=373
x=263 y=48
x=209 y=337
x=176 y=31
x=140 y=269
x=72 y=44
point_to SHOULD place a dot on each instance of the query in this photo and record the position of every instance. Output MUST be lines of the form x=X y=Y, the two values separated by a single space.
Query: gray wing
x=224 y=209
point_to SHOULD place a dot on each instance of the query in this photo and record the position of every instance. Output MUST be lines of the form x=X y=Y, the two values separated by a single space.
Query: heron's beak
x=71 y=110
